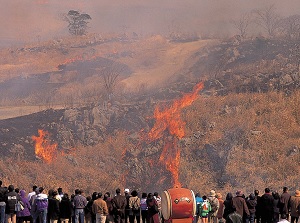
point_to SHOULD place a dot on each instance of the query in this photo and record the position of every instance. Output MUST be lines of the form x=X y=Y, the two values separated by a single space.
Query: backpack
x=204 y=206
x=214 y=205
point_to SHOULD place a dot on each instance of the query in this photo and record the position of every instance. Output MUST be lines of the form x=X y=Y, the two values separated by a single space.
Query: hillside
x=160 y=126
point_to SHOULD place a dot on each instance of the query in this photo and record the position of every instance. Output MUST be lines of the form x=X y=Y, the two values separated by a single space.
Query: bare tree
x=290 y=26
x=111 y=74
x=242 y=24
x=268 y=19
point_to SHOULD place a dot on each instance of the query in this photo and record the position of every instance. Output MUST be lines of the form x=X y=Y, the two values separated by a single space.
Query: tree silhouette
x=77 y=22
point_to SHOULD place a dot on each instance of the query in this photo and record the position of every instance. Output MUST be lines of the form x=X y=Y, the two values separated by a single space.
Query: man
x=99 y=208
x=267 y=207
x=127 y=209
x=11 y=199
x=3 y=191
x=118 y=204
x=257 y=208
x=79 y=204
x=240 y=204
x=284 y=201
x=33 y=192
x=214 y=203
x=294 y=203
x=40 y=206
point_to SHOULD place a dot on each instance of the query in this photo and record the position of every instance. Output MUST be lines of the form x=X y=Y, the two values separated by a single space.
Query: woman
x=144 y=208
x=228 y=206
x=205 y=209
x=24 y=215
x=135 y=207
x=152 y=212
x=220 y=211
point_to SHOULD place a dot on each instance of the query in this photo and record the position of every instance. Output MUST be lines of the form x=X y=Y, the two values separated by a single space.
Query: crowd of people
x=16 y=206
x=58 y=207
x=271 y=207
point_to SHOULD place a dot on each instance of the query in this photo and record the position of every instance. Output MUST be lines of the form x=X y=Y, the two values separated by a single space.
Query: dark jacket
x=53 y=208
x=119 y=204
x=228 y=205
x=65 y=208
x=284 y=201
x=240 y=205
x=251 y=204
x=267 y=204
x=11 y=199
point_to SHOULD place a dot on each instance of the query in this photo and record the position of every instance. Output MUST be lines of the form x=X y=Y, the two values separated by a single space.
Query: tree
x=77 y=22
x=268 y=19
x=290 y=26
x=242 y=23
x=110 y=75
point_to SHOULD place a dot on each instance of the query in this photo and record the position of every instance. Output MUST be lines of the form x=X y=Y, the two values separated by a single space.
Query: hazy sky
x=30 y=20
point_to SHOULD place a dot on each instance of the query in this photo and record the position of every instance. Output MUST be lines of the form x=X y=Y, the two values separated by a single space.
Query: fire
x=44 y=149
x=168 y=122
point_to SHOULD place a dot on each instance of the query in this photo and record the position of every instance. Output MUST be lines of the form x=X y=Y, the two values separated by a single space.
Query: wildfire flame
x=168 y=121
x=44 y=149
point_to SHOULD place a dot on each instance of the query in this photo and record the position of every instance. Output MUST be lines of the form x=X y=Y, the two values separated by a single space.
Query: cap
x=126 y=190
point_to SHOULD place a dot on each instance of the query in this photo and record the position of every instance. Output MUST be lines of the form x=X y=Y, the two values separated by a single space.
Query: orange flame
x=44 y=149
x=169 y=120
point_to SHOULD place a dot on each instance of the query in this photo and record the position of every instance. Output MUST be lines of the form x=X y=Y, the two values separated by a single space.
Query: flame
x=44 y=149
x=168 y=122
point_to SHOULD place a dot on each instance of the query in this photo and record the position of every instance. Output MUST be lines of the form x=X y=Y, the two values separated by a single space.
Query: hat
x=212 y=193
x=218 y=195
x=239 y=193
x=297 y=193
x=126 y=190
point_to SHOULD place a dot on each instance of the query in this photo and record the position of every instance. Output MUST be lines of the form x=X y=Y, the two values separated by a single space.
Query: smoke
x=34 y=20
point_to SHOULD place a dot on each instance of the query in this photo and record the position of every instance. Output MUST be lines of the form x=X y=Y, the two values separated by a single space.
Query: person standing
x=152 y=213
x=205 y=209
x=221 y=208
x=99 y=208
x=135 y=207
x=267 y=207
x=293 y=204
x=257 y=208
x=118 y=204
x=284 y=201
x=198 y=200
x=228 y=206
x=3 y=191
x=65 y=209
x=127 y=209
x=40 y=206
x=24 y=215
x=79 y=204
x=240 y=204
x=144 y=208
x=276 y=206
x=53 y=207
x=11 y=199
x=251 y=204
x=32 y=193
x=110 y=216
x=214 y=203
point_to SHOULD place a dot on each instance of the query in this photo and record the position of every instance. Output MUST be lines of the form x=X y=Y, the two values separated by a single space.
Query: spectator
x=99 y=208
x=65 y=209
x=267 y=207
x=79 y=204
x=118 y=204
x=24 y=215
x=294 y=202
